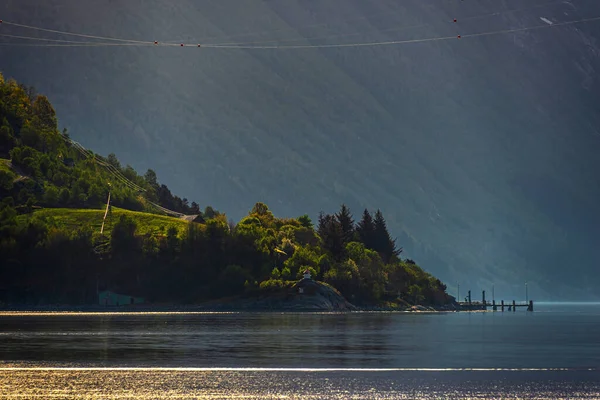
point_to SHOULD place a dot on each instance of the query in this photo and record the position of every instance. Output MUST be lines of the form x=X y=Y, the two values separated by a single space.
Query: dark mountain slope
x=482 y=150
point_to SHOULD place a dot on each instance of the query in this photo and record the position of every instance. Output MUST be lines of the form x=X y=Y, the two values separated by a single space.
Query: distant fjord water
x=550 y=353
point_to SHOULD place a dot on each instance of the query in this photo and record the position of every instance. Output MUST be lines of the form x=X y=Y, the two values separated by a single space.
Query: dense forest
x=57 y=258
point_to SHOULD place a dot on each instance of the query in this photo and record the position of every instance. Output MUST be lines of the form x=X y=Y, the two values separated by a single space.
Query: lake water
x=553 y=352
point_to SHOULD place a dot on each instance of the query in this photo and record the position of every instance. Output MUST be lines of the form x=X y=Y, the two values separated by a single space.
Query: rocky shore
x=305 y=295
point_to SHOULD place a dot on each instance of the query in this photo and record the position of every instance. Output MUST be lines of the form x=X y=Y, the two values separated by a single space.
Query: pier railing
x=484 y=305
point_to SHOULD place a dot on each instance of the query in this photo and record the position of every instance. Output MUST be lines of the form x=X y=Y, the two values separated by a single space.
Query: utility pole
x=526 y=293
x=458 y=292
x=493 y=296
x=105 y=212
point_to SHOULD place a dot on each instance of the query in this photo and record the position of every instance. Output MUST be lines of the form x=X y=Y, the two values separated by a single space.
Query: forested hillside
x=52 y=249
x=41 y=166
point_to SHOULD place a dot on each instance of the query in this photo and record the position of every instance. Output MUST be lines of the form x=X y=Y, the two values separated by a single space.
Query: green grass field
x=92 y=219
x=4 y=165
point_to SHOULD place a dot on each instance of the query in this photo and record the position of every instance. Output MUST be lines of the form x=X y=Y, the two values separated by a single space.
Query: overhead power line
x=82 y=35
x=117 y=174
x=398 y=42
x=265 y=45
x=401 y=28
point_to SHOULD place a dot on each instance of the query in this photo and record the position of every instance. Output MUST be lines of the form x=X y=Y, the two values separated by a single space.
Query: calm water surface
x=553 y=352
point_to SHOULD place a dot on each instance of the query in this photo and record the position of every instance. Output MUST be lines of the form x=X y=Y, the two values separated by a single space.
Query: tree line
x=43 y=262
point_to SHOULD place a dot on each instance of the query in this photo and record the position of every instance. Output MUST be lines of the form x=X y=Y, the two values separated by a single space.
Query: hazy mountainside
x=481 y=152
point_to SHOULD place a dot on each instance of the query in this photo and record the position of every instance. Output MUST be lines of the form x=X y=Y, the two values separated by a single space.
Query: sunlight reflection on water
x=107 y=384
x=177 y=355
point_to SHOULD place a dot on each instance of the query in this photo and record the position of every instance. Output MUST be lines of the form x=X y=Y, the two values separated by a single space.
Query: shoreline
x=306 y=295
x=93 y=309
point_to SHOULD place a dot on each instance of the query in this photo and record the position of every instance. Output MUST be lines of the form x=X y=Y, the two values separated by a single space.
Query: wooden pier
x=484 y=305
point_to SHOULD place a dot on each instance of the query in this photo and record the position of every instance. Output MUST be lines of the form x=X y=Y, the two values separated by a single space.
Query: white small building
x=307 y=274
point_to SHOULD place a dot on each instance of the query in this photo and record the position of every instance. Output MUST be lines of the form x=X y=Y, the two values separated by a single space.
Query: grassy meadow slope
x=480 y=152
x=89 y=219
x=4 y=166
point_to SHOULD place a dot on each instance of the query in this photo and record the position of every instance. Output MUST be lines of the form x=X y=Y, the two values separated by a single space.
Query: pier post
x=530 y=307
x=494 y=305
x=502 y=305
x=514 y=308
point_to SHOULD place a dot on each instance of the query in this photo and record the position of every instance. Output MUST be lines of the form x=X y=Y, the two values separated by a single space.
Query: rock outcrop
x=304 y=295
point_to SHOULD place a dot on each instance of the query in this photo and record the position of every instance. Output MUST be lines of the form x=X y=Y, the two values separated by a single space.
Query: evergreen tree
x=114 y=161
x=332 y=235
x=383 y=242
x=43 y=110
x=165 y=197
x=64 y=196
x=321 y=222
x=305 y=221
x=151 y=178
x=7 y=139
x=344 y=218
x=123 y=234
x=130 y=173
x=210 y=212
x=366 y=230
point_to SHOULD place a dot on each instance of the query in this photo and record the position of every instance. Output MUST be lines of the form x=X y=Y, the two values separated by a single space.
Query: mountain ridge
x=479 y=151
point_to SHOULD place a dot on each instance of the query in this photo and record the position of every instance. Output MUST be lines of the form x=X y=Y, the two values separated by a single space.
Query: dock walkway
x=483 y=305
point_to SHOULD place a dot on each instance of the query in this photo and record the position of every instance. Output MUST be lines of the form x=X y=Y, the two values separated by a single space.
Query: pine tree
x=45 y=113
x=151 y=179
x=331 y=233
x=366 y=230
x=113 y=160
x=344 y=218
x=322 y=223
x=383 y=242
